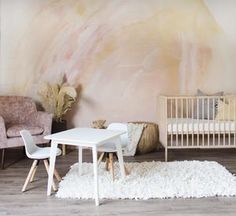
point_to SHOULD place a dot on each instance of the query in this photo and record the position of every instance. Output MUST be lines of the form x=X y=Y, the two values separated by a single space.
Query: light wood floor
x=34 y=202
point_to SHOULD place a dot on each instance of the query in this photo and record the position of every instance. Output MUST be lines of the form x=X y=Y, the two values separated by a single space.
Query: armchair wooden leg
x=33 y=174
x=29 y=175
x=46 y=164
x=3 y=159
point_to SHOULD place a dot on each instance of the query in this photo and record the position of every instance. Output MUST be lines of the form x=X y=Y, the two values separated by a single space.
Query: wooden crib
x=197 y=122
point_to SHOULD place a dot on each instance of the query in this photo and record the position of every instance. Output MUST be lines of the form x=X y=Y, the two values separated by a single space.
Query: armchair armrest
x=3 y=135
x=42 y=119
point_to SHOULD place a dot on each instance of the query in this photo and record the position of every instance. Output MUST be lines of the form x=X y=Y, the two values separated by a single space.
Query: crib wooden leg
x=166 y=154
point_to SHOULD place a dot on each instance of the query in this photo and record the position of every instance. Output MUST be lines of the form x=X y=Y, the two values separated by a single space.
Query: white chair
x=36 y=153
x=109 y=149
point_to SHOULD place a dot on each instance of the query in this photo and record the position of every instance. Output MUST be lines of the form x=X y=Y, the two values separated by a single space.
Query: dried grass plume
x=58 y=98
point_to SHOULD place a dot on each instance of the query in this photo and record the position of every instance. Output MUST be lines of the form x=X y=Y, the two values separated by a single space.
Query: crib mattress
x=187 y=125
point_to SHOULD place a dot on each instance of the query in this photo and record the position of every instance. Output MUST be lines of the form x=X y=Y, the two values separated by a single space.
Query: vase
x=59 y=126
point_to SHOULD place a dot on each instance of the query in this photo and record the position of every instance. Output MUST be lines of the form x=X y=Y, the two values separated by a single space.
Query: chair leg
x=29 y=175
x=111 y=165
x=58 y=177
x=63 y=150
x=126 y=170
x=46 y=164
x=33 y=174
x=107 y=164
x=100 y=158
x=3 y=159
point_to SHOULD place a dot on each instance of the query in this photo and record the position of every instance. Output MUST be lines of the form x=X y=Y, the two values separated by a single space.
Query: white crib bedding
x=188 y=125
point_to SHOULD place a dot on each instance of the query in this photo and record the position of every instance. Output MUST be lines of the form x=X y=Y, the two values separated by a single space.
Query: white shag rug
x=186 y=179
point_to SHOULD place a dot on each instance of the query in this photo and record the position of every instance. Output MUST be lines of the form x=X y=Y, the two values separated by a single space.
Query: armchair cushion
x=14 y=130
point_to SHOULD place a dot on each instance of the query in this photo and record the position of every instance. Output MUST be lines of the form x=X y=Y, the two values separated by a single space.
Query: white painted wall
x=225 y=14
x=16 y=16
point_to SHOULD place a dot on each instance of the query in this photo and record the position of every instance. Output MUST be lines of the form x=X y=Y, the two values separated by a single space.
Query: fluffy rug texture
x=186 y=179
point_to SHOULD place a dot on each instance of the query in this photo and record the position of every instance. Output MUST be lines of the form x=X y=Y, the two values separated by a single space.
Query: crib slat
x=224 y=122
x=177 y=123
x=182 y=120
x=203 y=123
x=166 y=132
x=192 y=103
x=208 y=115
x=214 y=122
x=219 y=127
x=197 y=121
x=234 y=121
x=229 y=124
x=171 y=118
x=187 y=108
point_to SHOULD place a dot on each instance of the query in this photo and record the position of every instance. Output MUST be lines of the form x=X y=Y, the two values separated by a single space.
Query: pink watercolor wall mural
x=124 y=53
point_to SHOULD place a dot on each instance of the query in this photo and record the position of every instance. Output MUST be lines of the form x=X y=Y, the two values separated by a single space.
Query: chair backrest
x=120 y=127
x=30 y=146
x=16 y=109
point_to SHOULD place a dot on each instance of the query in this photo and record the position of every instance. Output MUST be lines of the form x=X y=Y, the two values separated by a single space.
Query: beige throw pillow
x=227 y=109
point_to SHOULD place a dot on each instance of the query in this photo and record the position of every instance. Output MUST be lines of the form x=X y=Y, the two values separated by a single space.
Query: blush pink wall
x=124 y=53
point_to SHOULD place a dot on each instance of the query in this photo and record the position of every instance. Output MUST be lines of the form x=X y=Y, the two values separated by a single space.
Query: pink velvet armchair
x=18 y=113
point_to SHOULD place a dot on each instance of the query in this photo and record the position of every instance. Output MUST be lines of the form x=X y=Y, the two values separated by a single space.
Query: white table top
x=85 y=135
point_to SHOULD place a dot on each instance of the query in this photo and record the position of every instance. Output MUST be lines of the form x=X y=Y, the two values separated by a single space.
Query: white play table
x=89 y=138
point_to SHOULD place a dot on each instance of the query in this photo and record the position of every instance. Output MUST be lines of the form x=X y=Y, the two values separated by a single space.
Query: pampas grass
x=57 y=98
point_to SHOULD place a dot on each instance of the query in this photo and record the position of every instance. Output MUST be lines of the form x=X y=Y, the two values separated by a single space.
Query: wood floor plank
x=34 y=201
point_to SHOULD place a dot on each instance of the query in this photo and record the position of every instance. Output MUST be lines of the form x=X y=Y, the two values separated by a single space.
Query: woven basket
x=149 y=140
